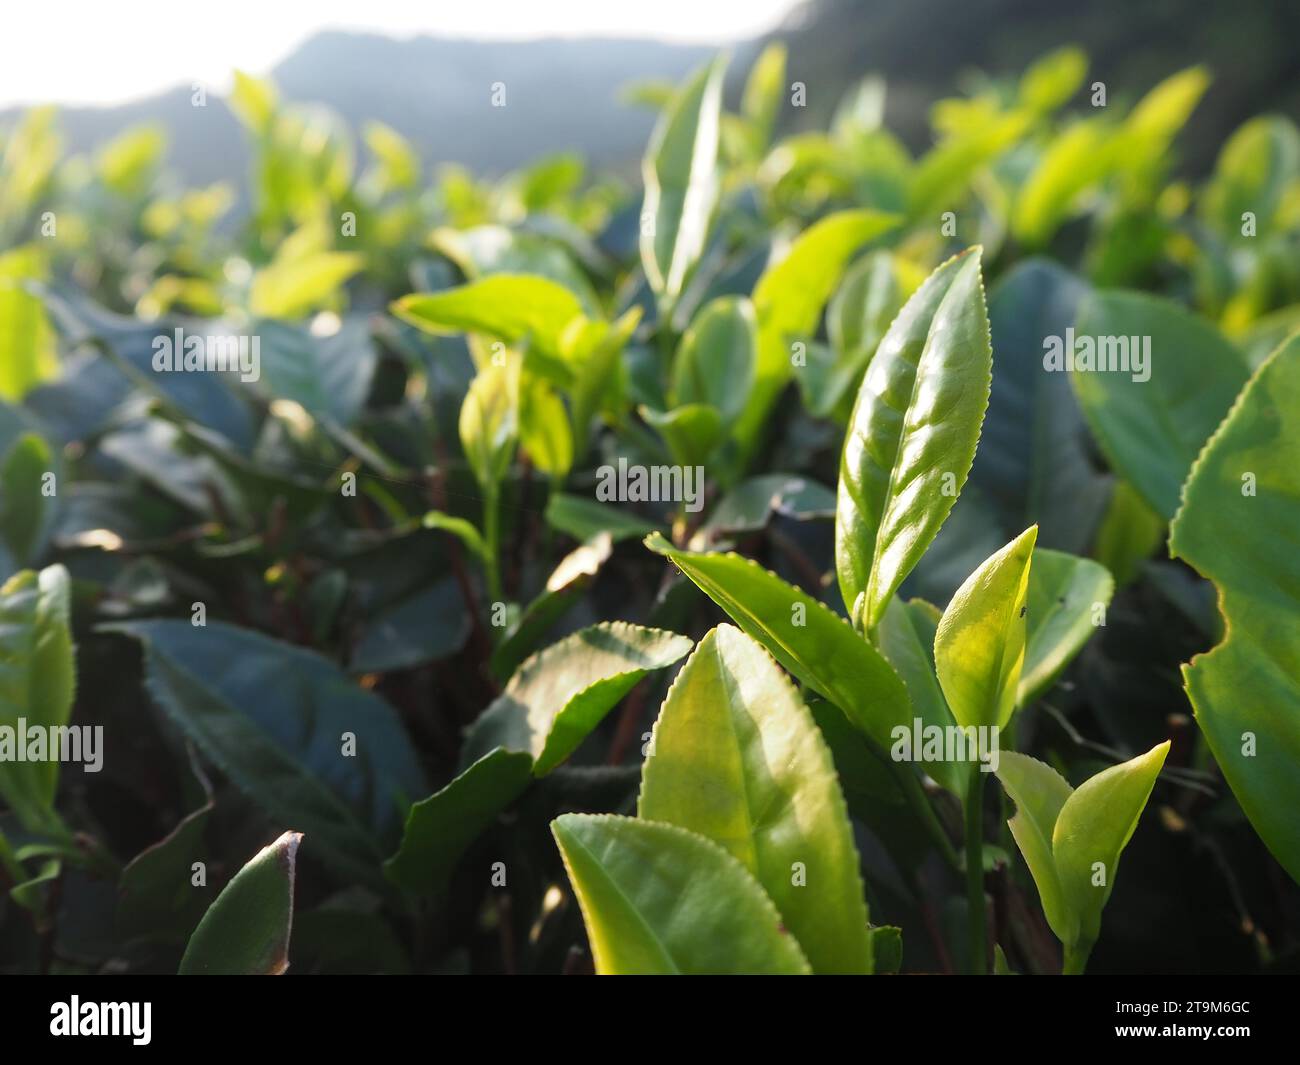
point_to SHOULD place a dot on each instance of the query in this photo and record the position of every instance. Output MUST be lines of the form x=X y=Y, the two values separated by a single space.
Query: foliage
x=400 y=596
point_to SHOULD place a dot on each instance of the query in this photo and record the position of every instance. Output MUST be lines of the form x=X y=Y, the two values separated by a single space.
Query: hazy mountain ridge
x=560 y=95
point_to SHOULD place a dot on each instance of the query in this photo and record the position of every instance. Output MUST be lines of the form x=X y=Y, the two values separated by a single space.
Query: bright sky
x=94 y=52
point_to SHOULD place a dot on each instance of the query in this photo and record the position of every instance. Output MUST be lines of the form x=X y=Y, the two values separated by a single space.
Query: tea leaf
x=681 y=183
x=1062 y=610
x=439 y=828
x=912 y=436
x=816 y=645
x=246 y=930
x=979 y=646
x=1237 y=528
x=736 y=757
x=790 y=296
x=563 y=692
x=657 y=899
x=1151 y=430
x=1039 y=792
x=275 y=719
x=37 y=682
x=715 y=359
x=1093 y=828
x=509 y=307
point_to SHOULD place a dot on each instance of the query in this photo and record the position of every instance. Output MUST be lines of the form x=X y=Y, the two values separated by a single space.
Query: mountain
x=559 y=95
x=565 y=94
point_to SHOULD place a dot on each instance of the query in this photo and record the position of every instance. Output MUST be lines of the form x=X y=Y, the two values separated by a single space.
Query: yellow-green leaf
x=657 y=899
x=911 y=439
x=737 y=757
x=979 y=647
x=818 y=646
x=681 y=183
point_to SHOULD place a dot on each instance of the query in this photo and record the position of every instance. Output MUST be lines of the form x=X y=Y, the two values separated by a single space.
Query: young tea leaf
x=1039 y=792
x=37 y=681
x=715 y=359
x=681 y=183
x=657 y=899
x=1093 y=828
x=736 y=757
x=789 y=299
x=912 y=436
x=979 y=646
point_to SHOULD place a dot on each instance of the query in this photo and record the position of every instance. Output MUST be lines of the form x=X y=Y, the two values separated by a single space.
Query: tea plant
x=350 y=650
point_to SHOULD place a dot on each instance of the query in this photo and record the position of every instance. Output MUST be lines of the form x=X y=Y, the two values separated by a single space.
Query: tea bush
x=396 y=522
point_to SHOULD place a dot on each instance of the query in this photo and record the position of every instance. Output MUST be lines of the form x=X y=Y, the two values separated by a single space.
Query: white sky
x=92 y=51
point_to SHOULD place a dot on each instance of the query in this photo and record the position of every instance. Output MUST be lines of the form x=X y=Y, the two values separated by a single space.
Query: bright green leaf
x=715 y=359
x=290 y=288
x=27 y=350
x=544 y=430
x=681 y=183
x=789 y=299
x=37 y=682
x=1093 y=828
x=657 y=899
x=1039 y=792
x=736 y=757
x=818 y=646
x=489 y=422
x=979 y=646
x=912 y=436
x=508 y=307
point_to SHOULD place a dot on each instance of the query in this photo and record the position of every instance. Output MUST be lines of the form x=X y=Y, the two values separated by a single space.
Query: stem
x=921 y=806
x=492 y=536
x=12 y=866
x=1076 y=958
x=975 y=871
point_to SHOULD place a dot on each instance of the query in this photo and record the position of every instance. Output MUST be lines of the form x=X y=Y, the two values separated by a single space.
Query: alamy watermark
x=53 y=743
x=920 y=742
x=626 y=483
x=221 y=353
x=1101 y=354
x=77 y=1018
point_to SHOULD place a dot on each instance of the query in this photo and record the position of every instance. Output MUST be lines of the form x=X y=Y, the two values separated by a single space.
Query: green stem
x=921 y=805
x=12 y=866
x=975 y=871
x=1076 y=958
x=492 y=537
